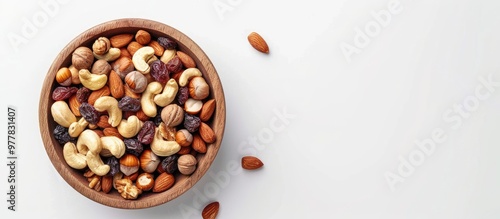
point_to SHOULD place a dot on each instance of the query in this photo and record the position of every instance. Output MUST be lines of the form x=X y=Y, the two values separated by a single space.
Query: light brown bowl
x=54 y=150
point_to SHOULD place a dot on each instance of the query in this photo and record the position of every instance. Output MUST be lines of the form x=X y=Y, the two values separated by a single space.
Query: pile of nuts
x=132 y=112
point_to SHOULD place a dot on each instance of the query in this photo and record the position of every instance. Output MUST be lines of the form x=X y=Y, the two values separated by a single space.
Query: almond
x=142 y=37
x=116 y=85
x=207 y=110
x=142 y=116
x=258 y=42
x=186 y=60
x=121 y=40
x=210 y=211
x=124 y=53
x=157 y=48
x=198 y=144
x=112 y=131
x=104 y=91
x=163 y=182
x=133 y=47
x=251 y=163
x=106 y=183
x=103 y=122
x=74 y=105
x=207 y=133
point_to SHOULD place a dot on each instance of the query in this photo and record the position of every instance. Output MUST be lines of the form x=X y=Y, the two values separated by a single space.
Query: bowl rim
x=185 y=44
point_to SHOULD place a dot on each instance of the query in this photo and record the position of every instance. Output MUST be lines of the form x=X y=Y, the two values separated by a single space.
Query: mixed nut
x=132 y=113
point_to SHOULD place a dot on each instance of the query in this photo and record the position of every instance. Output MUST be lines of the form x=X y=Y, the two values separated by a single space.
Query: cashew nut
x=147 y=100
x=130 y=127
x=89 y=141
x=163 y=148
x=112 y=146
x=95 y=164
x=76 y=128
x=111 y=55
x=62 y=113
x=109 y=104
x=73 y=158
x=92 y=81
x=187 y=75
x=168 y=54
x=141 y=57
x=168 y=94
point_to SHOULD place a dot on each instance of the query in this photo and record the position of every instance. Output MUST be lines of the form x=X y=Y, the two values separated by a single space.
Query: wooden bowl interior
x=47 y=124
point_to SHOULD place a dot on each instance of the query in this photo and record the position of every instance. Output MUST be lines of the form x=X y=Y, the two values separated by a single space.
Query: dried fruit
x=258 y=42
x=167 y=43
x=174 y=65
x=210 y=211
x=251 y=163
x=133 y=146
x=82 y=95
x=147 y=133
x=169 y=164
x=159 y=71
x=182 y=95
x=89 y=113
x=62 y=93
x=61 y=134
x=191 y=122
x=114 y=165
x=129 y=104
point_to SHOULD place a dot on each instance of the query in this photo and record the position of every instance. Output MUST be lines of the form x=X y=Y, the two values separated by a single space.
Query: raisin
x=129 y=104
x=114 y=165
x=159 y=71
x=82 y=95
x=174 y=65
x=167 y=43
x=89 y=113
x=61 y=134
x=147 y=132
x=182 y=95
x=169 y=164
x=133 y=146
x=157 y=119
x=191 y=122
x=62 y=93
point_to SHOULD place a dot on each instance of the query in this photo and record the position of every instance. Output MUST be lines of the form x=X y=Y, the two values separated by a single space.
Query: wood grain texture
x=74 y=177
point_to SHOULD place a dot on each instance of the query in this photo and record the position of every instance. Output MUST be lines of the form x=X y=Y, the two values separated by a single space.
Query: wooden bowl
x=54 y=150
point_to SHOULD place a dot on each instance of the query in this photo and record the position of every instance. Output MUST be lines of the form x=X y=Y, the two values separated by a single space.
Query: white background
x=351 y=123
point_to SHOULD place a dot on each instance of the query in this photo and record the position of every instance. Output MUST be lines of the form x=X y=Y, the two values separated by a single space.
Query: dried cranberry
x=62 y=93
x=129 y=104
x=89 y=113
x=159 y=71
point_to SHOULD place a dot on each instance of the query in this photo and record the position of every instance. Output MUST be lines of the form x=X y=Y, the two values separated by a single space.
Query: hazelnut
x=123 y=66
x=193 y=106
x=136 y=81
x=186 y=164
x=149 y=161
x=101 y=46
x=63 y=76
x=145 y=181
x=129 y=164
x=101 y=67
x=198 y=88
x=172 y=115
x=82 y=58
x=183 y=137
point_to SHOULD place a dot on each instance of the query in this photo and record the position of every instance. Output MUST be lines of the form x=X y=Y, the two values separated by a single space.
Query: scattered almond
x=210 y=211
x=258 y=42
x=251 y=163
